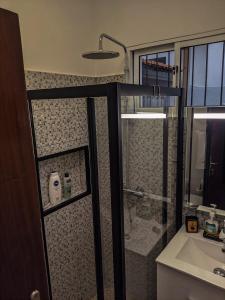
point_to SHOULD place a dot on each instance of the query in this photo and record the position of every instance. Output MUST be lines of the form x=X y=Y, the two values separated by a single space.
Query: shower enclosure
x=130 y=167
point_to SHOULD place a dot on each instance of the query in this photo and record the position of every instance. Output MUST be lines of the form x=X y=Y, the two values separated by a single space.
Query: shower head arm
x=104 y=35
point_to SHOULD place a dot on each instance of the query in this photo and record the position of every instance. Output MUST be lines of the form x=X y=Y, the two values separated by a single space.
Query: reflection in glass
x=223 y=83
x=204 y=156
x=157 y=69
x=143 y=70
x=190 y=74
x=199 y=76
x=151 y=67
x=214 y=73
x=149 y=166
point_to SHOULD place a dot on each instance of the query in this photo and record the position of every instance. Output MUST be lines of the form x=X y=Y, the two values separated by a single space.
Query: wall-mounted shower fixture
x=106 y=54
x=137 y=193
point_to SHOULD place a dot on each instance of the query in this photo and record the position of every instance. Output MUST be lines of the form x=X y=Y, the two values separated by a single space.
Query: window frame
x=175 y=46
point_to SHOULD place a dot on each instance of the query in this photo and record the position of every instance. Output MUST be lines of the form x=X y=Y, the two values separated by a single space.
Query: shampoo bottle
x=211 y=225
x=55 y=189
x=67 y=186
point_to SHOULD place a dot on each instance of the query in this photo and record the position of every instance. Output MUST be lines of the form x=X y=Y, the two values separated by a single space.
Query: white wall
x=56 y=32
x=143 y=21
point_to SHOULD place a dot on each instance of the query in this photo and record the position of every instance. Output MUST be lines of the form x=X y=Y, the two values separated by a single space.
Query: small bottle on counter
x=67 y=187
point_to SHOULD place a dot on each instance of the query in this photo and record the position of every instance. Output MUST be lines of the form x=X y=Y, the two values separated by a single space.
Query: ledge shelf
x=52 y=208
x=48 y=209
x=49 y=156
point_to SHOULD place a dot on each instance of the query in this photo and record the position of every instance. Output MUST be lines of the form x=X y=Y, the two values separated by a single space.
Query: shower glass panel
x=214 y=74
x=223 y=81
x=190 y=77
x=199 y=75
x=102 y=141
x=149 y=171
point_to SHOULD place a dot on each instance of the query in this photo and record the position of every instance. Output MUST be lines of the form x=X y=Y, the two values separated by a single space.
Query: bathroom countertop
x=171 y=257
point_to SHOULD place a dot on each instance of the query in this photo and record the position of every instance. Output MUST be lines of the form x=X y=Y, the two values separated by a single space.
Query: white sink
x=204 y=254
x=189 y=261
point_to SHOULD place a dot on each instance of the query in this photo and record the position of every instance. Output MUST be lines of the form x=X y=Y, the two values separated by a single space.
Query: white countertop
x=170 y=257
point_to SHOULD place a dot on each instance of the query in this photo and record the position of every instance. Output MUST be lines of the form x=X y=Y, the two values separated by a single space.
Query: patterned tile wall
x=51 y=126
x=62 y=125
x=71 y=251
x=142 y=167
x=145 y=163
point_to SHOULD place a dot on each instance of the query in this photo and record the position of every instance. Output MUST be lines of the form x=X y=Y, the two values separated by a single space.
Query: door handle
x=35 y=295
x=212 y=165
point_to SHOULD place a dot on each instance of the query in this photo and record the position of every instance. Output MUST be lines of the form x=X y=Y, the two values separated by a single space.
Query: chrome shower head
x=106 y=54
x=100 y=54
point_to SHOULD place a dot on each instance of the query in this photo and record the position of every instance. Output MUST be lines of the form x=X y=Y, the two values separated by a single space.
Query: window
x=156 y=69
x=205 y=74
x=200 y=69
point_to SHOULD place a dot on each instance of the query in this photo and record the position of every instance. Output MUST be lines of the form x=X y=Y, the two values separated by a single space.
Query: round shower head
x=100 y=54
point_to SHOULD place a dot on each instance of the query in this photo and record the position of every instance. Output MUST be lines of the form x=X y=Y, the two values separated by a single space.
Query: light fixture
x=203 y=116
x=143 y=115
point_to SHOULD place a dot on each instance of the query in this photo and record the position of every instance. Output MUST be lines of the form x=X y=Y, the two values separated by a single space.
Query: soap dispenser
x=211 y=225
x=222 y=232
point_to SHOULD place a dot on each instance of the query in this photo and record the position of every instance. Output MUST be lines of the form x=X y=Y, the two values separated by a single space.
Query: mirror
x=204 y=150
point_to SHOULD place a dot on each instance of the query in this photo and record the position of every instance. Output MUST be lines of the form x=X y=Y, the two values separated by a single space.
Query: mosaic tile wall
x=145 y=154
x=71 y=251
x=57 y=132
x=62 y=125
x=145 y=164
x=51 y=126
x=72 y=268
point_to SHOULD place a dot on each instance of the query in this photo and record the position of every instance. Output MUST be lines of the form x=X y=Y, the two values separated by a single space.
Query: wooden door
x=22 y=262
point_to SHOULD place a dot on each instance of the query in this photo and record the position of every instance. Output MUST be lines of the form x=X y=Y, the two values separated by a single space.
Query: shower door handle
x=35 y=295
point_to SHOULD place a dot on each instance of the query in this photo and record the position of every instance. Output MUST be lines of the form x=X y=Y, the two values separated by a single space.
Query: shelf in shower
x=84 y=191
x=57 y=154
x=52 y=208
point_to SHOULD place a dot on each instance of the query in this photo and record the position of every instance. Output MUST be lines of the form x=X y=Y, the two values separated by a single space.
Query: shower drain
x=219 y=271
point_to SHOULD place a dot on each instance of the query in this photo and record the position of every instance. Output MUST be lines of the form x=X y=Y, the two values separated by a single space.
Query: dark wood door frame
x=22 y=261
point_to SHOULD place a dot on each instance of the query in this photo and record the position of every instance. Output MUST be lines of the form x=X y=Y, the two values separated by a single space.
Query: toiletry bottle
x=55 y=189
x=222 y=232
x=211 y=225
x=67 y=186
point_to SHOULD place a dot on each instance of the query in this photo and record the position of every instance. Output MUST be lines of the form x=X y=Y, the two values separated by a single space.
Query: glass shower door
x=149 y=139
